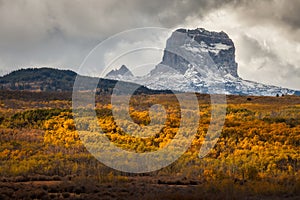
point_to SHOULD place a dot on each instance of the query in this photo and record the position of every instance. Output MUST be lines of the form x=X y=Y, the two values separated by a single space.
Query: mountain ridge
x=197 y=60
x=194 y=60
x=105 y=86
x=59 y=80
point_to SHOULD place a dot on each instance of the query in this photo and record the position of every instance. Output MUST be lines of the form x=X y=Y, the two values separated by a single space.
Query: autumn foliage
x=259 y=143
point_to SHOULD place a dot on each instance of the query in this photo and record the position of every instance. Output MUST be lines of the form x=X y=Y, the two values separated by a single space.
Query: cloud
x=61 y=33
x=266 y=45
x=92 y=18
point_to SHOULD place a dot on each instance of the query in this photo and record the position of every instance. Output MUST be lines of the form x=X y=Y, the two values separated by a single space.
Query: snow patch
x=203 y=47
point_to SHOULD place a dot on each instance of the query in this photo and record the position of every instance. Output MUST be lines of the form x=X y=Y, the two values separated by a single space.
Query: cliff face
x=217 y=45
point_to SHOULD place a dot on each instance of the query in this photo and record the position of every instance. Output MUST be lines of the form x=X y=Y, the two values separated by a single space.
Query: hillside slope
x=50 y=80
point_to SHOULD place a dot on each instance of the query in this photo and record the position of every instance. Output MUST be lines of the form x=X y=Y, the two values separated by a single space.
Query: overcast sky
x=60 y=33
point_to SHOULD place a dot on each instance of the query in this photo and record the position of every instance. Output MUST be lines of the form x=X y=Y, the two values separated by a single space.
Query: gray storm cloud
x=61 y=33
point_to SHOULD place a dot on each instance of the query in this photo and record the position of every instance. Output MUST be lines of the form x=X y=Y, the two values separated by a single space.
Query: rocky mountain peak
x=199 y=46
x=122 y=71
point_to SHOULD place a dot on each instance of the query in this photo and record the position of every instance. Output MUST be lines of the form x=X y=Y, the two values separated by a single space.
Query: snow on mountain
x=198 y=61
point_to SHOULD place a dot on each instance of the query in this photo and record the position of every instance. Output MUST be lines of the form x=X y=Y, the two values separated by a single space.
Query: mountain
x=194 y=61
x=49 y=79
x=201 y=61
x=186 y=47
x=122 y=72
